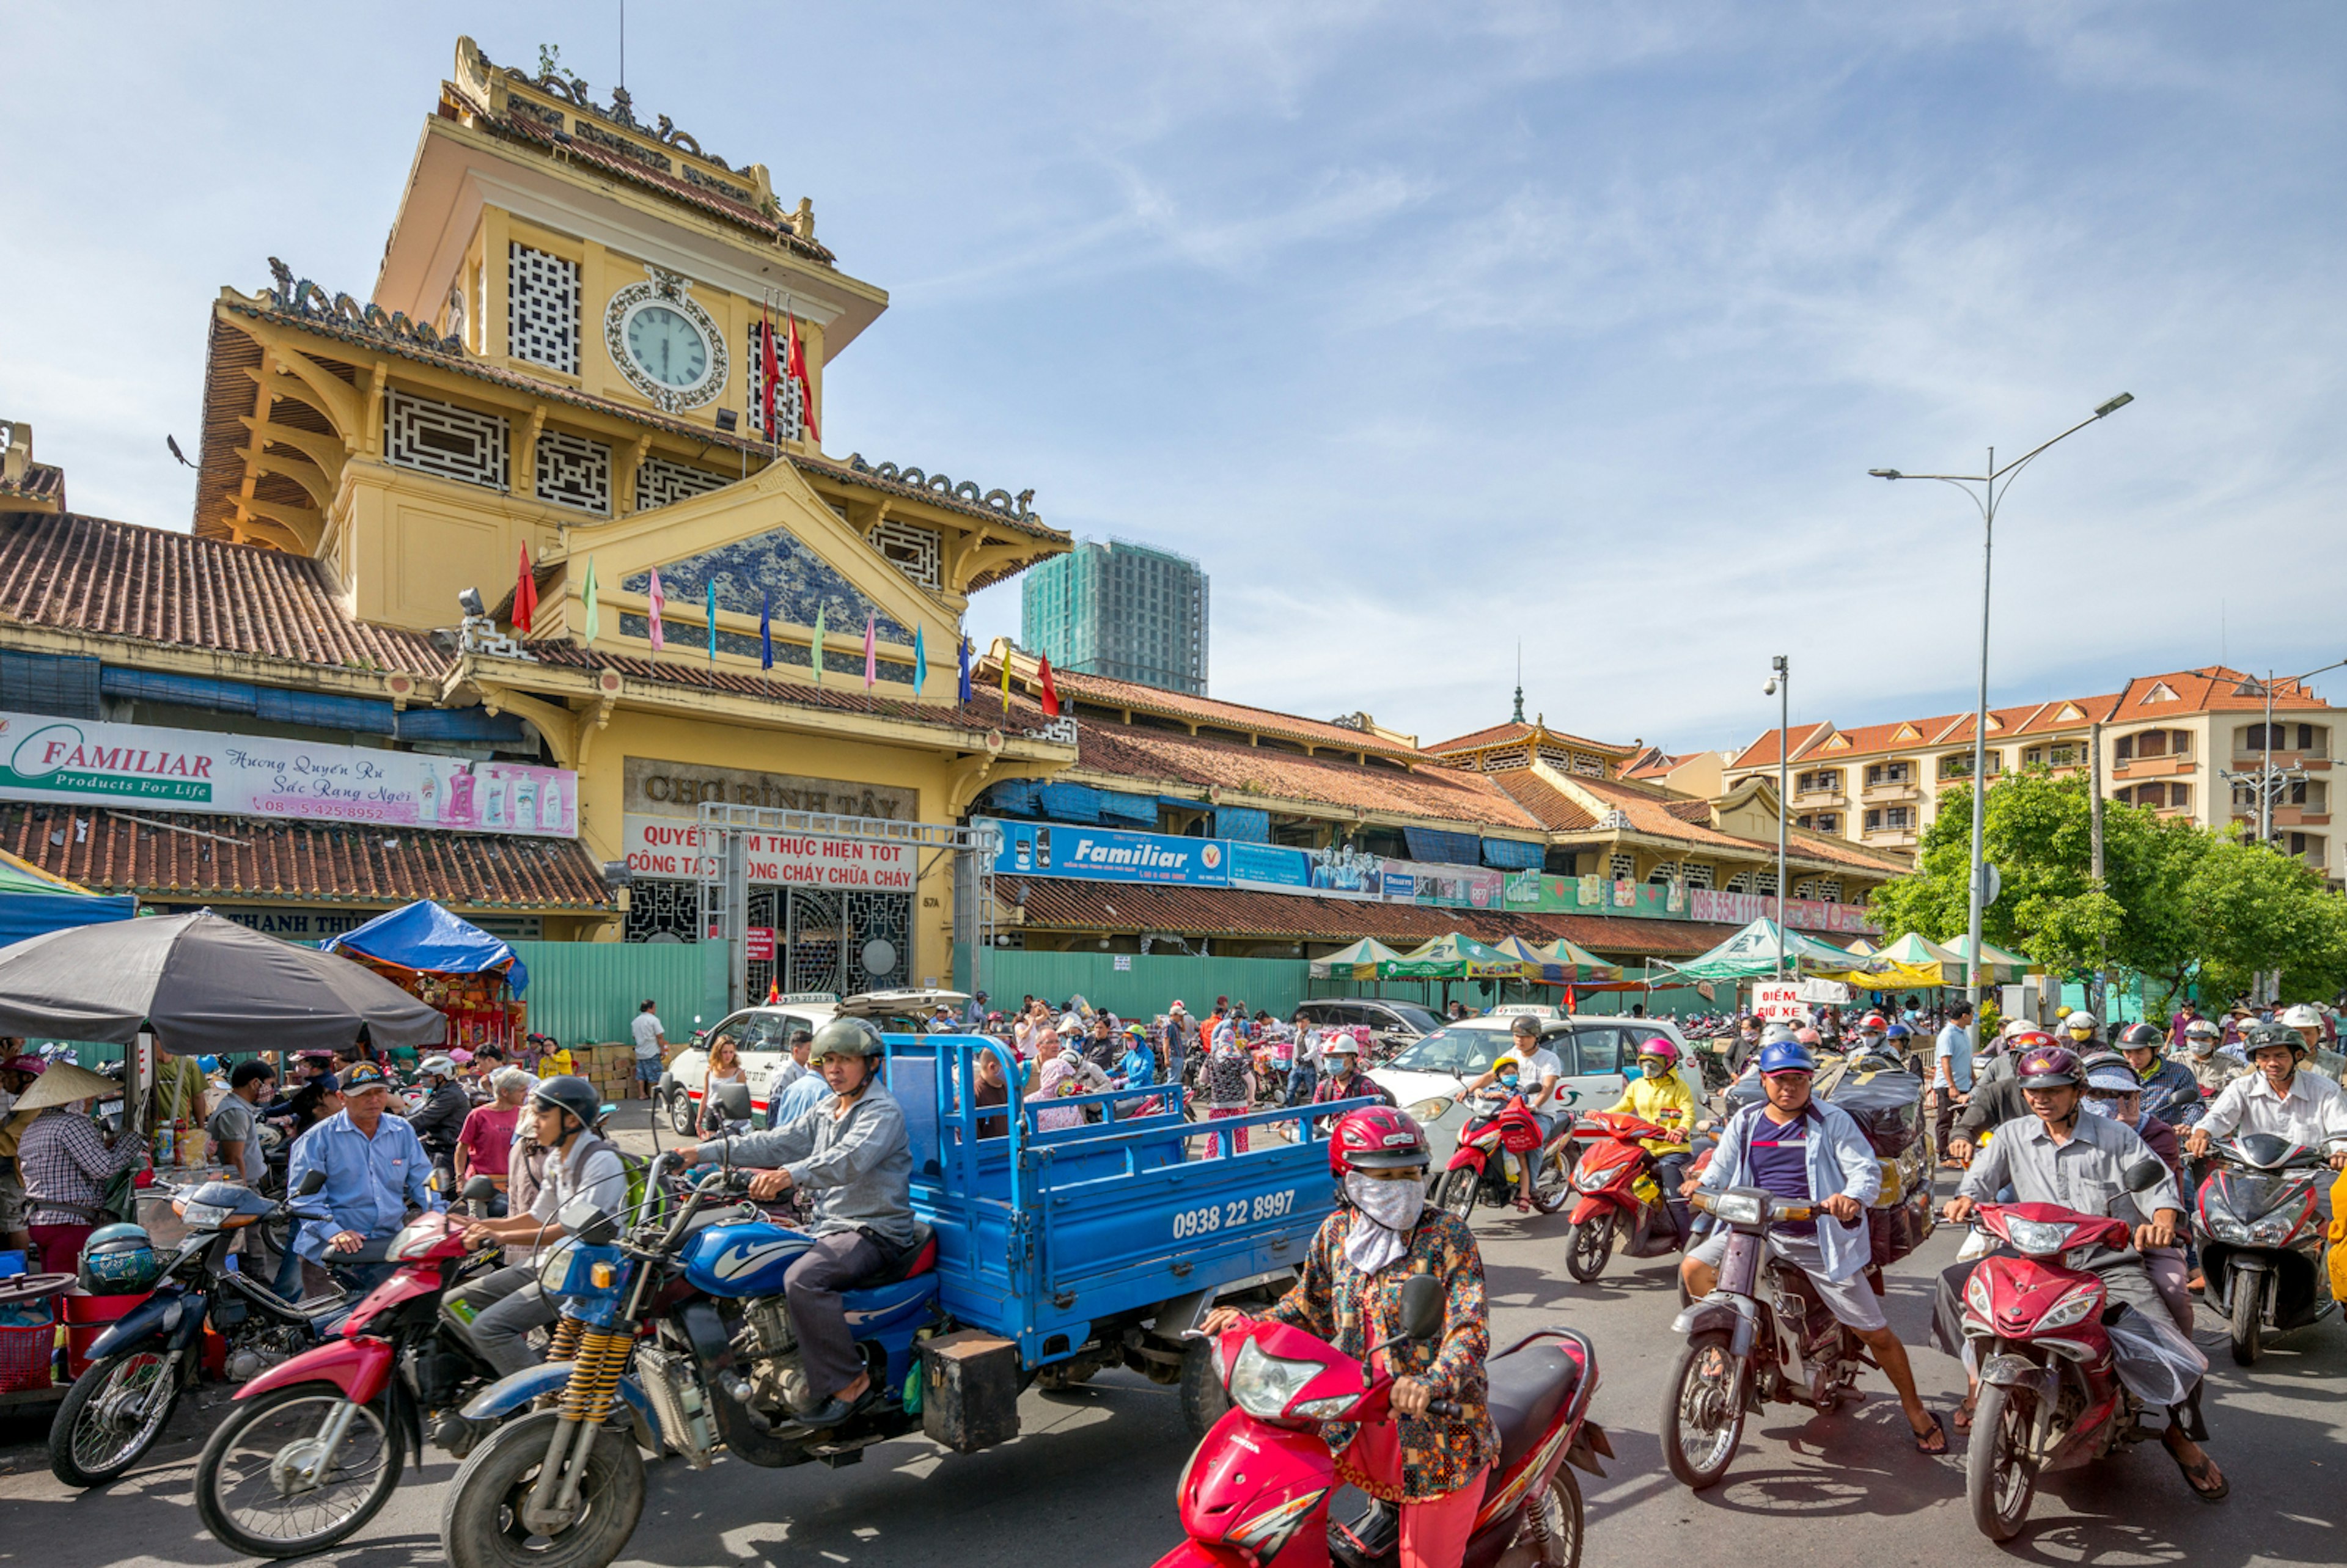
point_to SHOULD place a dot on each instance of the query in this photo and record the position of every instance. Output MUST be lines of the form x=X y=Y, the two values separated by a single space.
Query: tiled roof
x=232 y=858
x=1554 y=809
x=1051 y=904
x=934 y=490
x=2212 y=688
x=1166 y=756
x=1658 y=817
x=118 y=580
x=1762 y=752
x=1501 y=735
x=1103 y=691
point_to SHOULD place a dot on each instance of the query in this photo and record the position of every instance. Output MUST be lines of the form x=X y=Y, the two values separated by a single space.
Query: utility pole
x=1780 y=686
x=2095 y=790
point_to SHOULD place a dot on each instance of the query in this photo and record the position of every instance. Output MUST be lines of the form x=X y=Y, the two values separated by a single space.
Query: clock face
x=669 y=348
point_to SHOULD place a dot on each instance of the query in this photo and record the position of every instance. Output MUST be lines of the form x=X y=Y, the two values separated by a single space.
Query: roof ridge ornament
x=304 y=298
x=1002 y=501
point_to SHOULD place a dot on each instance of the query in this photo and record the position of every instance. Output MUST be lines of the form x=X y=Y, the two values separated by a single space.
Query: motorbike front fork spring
x=595 y=1378
x=565 y=1345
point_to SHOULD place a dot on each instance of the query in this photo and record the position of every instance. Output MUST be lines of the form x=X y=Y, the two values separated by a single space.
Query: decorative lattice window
x=790 y=411
x=542 y=308
x=1664 y=874
x=1696 y=875
x=916 y=551
x=1587 y=767
x=1624 y=867
x=1556 y=756
x=1744 y=882
x=1510 y=758
x=661 y=483
x=440 y=439
x=573 y=471
x=660 y=909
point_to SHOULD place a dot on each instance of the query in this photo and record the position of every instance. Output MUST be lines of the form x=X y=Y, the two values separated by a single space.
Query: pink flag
x=871 y=651
x=660 y=602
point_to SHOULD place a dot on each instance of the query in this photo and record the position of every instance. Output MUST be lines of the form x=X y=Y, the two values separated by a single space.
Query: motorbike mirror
x=2144 y=1175
x=480 y=1189
x=590 y=1224
x=1422 y=1305
x=734 y=1099
x=312 y=1181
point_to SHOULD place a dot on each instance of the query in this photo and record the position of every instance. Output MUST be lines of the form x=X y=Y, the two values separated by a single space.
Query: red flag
x=774 y=994
x=525 y=594
x=1568 y=1002
x=769 y=374
x=1051 y=693
x=797 y=371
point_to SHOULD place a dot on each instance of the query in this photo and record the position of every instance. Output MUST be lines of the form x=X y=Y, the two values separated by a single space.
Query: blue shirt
x=1139 y=1067
x=1780 y=1162
x=371 y=1183
x=807 y=1091
x=1955 y=1049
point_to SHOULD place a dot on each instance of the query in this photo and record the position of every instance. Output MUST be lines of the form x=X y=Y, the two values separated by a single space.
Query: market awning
x=1455 y=956
x=33 y=901
x=1924 y=958
x=1757 y=951
x=1996 y=964
x=1359 y=961
x=426 y=938
x=1579 y=965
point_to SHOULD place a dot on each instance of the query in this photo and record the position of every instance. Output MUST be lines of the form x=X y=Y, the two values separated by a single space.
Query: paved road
x=1092 y=1480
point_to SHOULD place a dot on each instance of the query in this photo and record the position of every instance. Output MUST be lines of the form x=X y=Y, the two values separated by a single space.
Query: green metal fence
x=581 y=992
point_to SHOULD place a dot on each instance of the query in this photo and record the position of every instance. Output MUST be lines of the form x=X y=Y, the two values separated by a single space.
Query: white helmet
x=1341 y=1044
x=2302 y=1016
x=1776 y=1033
x=442 y=1065
x=2080 y=1022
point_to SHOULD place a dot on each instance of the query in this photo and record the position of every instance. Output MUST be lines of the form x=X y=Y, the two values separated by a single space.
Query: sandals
x=1964 y=1419
x=1938 y=1434
x=2196 y=1474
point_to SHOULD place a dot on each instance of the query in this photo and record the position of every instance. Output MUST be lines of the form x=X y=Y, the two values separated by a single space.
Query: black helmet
x=2272 y=1034
x=2141 y=1037
x=845 y=1037
x=572 y=1095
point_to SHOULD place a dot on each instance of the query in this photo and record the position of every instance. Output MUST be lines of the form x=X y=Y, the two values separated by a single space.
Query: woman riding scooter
x=1382 y=1233
x=1659 y=1095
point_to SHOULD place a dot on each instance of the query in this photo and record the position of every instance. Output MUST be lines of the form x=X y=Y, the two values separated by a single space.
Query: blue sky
x=1424 y=328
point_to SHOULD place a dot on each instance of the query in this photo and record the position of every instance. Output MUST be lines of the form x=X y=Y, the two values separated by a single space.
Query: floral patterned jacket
x=1353 y=1311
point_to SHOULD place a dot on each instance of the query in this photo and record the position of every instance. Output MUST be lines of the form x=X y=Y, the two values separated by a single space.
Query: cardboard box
x=969 y=1389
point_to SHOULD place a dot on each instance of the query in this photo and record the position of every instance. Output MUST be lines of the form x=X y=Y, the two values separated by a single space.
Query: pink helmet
x=1806 y=1036
x=1661 y=1048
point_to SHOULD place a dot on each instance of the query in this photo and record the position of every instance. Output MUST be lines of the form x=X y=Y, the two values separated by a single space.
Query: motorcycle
x=139 y=1367
x=2050 y=1395
x=1762 y=1334
x=2260 y=1230
x=317 y=1443
x=680 y=1336
x=1258 y=1490
x=1501 y=1124
x=1622 y=1193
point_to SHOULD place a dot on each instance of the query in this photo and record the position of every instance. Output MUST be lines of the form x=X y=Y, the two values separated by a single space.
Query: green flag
x=594 y=618
x=818 y=645
x=713 y=622
x=920 y=663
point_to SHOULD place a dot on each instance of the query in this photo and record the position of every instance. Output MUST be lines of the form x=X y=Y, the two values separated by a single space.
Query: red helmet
x=2048 y=1066
x=1377 y=1138
x=1874 y=1021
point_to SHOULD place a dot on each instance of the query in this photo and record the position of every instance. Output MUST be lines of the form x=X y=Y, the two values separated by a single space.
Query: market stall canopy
x=1538 y=966
x=1457 y=957
x=1751 y=954
x=1996 y=964
x=203 y=984
x=31 y=901
x=425 y=937
x=1581 y=966
x=1360 y=960
x=1918 y=955
x=1861 y=946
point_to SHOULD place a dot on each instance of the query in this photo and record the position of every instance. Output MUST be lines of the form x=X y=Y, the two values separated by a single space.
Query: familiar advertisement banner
x=79 y=762
x=671 y=846
x=1110 y=854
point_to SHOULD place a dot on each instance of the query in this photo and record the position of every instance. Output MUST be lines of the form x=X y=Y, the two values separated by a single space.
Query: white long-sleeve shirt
x=2313 y=1114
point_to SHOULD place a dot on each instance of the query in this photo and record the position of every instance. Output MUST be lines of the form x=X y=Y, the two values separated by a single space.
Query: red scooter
x=2050 y=1396
x=1500 y=1123
x=1621 y=1190
x=1256 y=1494
x=316 y=1444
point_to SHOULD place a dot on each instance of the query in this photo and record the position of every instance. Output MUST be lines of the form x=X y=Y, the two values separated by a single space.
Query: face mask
x=2099 y=1108
x=1652 y=1069
x=1508 y=1081
x=1393 y=1204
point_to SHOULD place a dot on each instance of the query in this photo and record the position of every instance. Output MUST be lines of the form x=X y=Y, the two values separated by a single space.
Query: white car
x=1598 y=1052
x=761 y=1034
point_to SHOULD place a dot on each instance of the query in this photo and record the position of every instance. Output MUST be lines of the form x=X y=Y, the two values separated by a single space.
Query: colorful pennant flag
x=797 y=371
x=525 y=594
x=713 y=622
x=658 y=603
x=1006 y=681
x=920 y=662
x=594 y=609
x=1051 y=691
x=765 y=628
x=817 y=650
x=871 y=651
x=965 y=664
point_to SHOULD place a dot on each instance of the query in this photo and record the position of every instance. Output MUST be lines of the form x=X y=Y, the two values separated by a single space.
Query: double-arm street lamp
x=1780 y=686
x=1987 y=491
x=2270 y=779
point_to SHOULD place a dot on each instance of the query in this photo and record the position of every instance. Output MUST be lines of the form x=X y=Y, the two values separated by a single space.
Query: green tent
x=1917 y=952
x=1581 y=966
x=1457 y=957
x=1751 y=955
x=1996 y=964
x=1359 y=961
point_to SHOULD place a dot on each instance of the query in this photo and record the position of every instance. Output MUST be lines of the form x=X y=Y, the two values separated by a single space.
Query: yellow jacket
x=1666 y=1103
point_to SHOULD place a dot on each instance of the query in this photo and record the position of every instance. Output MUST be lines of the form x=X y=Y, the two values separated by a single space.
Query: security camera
x=469 y=602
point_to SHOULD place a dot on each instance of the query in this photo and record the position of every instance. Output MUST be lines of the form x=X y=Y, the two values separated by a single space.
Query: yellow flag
x=1006 y=681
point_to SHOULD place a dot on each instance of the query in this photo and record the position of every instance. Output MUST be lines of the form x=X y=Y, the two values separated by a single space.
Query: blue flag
x=965 y=670
x=765 y=628
x=920 y=662
x=712 y=621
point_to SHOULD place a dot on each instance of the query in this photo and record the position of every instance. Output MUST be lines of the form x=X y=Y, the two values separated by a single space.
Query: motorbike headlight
x=1262 y=1384
x=1592 y=1179
x=2072 y=1307
x=1326 y=1410
x=1427 y=1110
x=1978 y=1301
x=2036 y=1237
x=1738 y=1207
x=2226 y=1228
x=2272 y=1230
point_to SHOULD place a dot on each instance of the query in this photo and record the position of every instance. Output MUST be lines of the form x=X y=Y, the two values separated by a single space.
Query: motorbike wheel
x=2247 y=1331
x=1588 y=1247
x=1203 y=1398
x=1457 y=1192
x=1999 y=1479
x=482 y=1527
x=99 y=1431
x=1703 y=1410
x=681 y=1118
x=241 y=1497
x=1552 y=1186
x=1554 y=1531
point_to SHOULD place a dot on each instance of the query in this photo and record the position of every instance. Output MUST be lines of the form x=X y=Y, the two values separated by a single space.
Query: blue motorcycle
x=671 y=1333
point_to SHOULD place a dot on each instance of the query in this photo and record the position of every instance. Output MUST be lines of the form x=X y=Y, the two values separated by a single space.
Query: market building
x=2177 y=744
x=598 y=348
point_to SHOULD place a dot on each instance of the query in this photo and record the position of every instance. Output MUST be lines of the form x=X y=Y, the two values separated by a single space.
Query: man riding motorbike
x=1804 y=1150
x=2113 y=1091
x=1384 y=1231
x=1541 y=1069
x=1659 y=1095
x=852 y=1153
x=2276 y=1097
x=2171 y=1090
x=2211 y=1067
x=375 y=1170
x=1341 y=1077
x=580 y=1164
x=2081 y=1027
x=439 y=1121
x=2059 y=1155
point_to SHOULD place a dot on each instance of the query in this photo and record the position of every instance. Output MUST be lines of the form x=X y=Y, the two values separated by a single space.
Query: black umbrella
x=203 y=984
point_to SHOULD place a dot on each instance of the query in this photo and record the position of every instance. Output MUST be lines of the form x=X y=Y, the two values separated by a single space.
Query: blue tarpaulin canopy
x=33 y=901
x=424 y=935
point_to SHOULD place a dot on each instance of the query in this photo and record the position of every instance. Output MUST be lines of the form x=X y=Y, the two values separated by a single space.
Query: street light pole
x=2268 y=779
x=1781 y=685
x=1994 y=483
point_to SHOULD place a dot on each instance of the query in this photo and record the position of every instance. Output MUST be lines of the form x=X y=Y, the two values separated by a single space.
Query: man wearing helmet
x=2079 y=1026
x=1383 y=1232
x=2276 y=1097
x=2211 y=1067
x=578 y=1165
x=439 y=1121
x=1806 y=1151
x=2171 y=1091
x=851 y=1153
x=1540 y=1068
x=2058 y=1155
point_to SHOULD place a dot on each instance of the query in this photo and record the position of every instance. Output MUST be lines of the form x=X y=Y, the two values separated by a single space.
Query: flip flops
x=1939 y=1431
x=2194 y=1474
